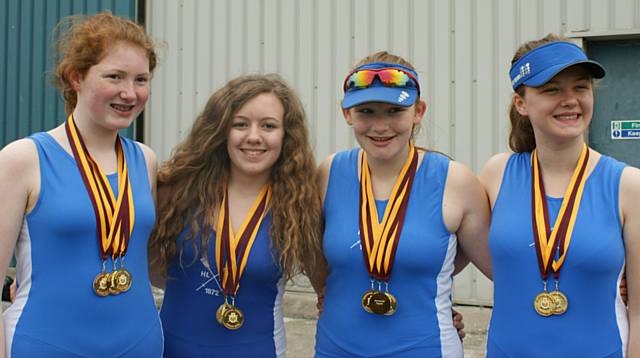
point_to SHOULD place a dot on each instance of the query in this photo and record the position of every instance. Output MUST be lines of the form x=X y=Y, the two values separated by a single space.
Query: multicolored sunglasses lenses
x=388 y=77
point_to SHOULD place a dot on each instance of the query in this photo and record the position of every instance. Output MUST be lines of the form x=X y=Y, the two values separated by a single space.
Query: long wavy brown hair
x=197 y=173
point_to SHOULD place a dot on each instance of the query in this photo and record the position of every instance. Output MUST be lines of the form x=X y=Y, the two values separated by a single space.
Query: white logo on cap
x=403 y=95
x=525 y=70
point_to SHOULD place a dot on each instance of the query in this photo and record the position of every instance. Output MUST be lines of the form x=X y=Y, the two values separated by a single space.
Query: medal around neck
x=232 y=253
x=554 y=243
x=380 y=239
x=115 y=216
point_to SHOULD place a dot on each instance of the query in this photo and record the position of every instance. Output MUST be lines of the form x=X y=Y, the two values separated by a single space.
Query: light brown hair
x=83 y=41
x=199 y=170
x=521 y=136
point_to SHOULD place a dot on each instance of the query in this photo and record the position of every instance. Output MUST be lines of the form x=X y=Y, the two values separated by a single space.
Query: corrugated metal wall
x=461 y=48
x=28 y=101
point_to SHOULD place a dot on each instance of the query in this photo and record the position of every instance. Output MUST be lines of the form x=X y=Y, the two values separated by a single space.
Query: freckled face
x=115 y=90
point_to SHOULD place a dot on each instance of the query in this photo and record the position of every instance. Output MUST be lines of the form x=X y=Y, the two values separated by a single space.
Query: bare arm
x=152 y=167
x=466 y=212
x=491 y=176
x=629 y=198
x=19 y=185
x=319 y=277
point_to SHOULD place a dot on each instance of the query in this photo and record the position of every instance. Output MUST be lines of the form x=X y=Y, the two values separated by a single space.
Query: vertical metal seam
x=431 y=134
x=540 y=18
x=262 y=38
x=452 y=80
x=495 y=103
x=314 y=64
x=474 y=85
x=332 y=81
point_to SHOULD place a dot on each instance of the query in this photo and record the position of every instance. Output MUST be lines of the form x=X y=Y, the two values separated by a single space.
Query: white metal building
x=461 y=48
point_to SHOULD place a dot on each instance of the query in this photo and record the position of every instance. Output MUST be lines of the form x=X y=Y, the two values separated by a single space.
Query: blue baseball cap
x=404 y=96
x=539 y=65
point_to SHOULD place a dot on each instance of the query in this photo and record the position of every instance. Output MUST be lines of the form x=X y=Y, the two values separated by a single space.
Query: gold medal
x=560 y=302
x=366 y=300
x=121 y=279
x=379 y=303
x=113 y=285
x=220 y=312
x=393 y=304
x=544 y=304
x=101 y=284
x=232 y=318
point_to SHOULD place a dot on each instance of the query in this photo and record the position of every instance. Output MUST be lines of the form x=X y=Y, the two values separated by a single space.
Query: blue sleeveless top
x=595 y=324
x=420 y=279
x=193 y=293
x=56 y=313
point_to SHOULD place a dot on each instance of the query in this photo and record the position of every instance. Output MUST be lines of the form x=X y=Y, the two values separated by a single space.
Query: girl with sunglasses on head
x=78 y=199
x=565 y=220
x=395 y=216
x=239 y=214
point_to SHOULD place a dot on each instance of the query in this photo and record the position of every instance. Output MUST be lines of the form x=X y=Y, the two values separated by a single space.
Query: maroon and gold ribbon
x=232 y=250
x=379 y=240
x=114 y=216
x=548 y=241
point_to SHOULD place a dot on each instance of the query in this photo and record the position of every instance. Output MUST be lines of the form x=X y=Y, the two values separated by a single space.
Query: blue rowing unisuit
x=595 y=324
x=56 y=313
x=420 y=279
x=193 y=294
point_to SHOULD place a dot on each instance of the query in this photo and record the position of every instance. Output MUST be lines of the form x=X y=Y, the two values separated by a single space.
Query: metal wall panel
x=461 y=48
x=28 y=101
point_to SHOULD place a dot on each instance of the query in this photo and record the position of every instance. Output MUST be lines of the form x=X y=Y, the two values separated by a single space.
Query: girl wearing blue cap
x=565 y=220
x=239 y=214
x=394 y=218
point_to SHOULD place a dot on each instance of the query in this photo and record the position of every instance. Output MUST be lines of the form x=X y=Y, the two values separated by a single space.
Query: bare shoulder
x=149 y=155
x=463 y=196
x=461 y=181
x=323 y=174
x=630 y=190
x=20 y=174
x=19 y=158
x=492 y=173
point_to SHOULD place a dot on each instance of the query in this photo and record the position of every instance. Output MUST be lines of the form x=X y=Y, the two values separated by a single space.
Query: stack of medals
x=380 y=240
x=548 y=241
x=114 y=217
x=232 y=253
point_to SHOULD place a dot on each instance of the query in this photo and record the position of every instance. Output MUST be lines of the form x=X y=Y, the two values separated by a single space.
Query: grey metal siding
x=461 y=48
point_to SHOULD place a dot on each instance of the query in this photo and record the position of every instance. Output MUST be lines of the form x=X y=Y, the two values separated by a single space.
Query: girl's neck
x=388 y=168
x=96 y=138
x=246 y=185
x=559 y=158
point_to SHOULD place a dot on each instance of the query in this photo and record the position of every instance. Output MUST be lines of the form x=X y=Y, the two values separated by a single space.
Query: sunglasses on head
x=390 y=77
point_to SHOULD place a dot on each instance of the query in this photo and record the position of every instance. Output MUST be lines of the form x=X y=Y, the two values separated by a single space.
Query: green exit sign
x=625 y=129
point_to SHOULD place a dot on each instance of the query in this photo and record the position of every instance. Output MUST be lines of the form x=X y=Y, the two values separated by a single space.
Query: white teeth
x=567 y=118
x=380 y=139
x=122 y=107
x=253 y=151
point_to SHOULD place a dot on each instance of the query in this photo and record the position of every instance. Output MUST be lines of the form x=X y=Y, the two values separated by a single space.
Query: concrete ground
x=299 y=306
x=299 y=310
